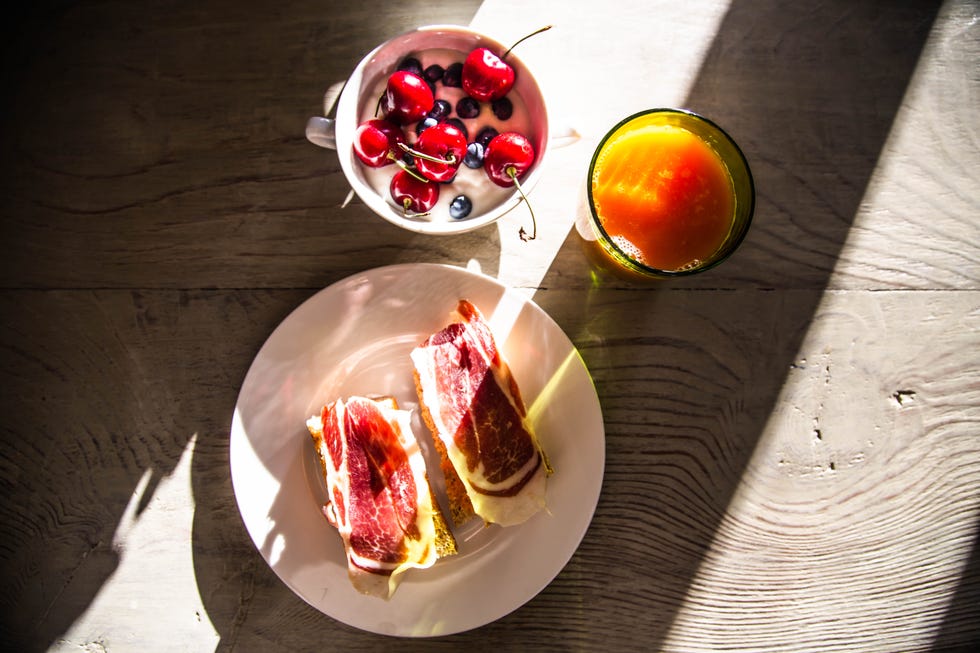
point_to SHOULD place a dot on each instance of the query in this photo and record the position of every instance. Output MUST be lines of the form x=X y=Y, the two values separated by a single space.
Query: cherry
x=439 y=151
x=509 y=155
x=488 y=77
x=414 y=195
x=376 y=142
x=407 y=98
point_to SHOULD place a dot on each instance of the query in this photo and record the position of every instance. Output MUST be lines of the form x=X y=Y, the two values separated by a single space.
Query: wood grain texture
x=734 y=508
x=792 y=460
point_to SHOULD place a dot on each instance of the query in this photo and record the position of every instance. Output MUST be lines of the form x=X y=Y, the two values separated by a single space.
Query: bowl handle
x=322 y=130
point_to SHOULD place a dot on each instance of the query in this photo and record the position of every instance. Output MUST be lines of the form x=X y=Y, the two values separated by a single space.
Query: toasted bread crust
x=445 y=541
x=460 y=506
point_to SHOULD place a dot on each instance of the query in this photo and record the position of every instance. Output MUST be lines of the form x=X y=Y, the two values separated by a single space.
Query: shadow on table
x=106 y=387
x=685 y=393
x=963 y=614
x=683 y=418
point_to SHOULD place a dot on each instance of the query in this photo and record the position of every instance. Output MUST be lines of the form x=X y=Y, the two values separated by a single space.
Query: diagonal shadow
x=102 y=405
x=810 y=92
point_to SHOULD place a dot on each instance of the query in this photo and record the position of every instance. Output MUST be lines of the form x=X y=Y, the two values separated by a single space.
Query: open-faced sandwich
x=380 y=500
x=494 y=465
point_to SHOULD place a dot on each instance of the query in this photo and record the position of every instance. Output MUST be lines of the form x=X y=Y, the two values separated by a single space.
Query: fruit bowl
x=360 y=101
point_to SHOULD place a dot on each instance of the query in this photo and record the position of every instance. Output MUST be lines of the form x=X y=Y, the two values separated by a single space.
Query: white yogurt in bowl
x=441 y=45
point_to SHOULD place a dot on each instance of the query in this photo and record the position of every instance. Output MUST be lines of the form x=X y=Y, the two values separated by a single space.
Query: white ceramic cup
x=358 y=100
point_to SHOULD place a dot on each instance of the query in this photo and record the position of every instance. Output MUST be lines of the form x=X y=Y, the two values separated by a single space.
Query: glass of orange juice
x=670 y=194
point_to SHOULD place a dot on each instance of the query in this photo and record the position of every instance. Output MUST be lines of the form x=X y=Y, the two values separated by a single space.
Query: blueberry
x=474 y=155
x=467 y=107
x=502 y=108
x=441 y=109
x=459 y=123
x=460 y=207
x=412 y=65
x=433 y=73
x=425 y=123
x=485 y=135
x=453 y=75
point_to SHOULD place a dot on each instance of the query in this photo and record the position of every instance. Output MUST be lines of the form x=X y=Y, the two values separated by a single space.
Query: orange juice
x=662 y=196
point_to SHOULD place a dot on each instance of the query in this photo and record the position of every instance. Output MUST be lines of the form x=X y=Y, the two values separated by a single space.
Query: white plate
x=354 y=337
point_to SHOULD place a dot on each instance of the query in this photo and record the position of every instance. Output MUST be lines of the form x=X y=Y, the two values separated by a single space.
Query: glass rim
x=729 y=246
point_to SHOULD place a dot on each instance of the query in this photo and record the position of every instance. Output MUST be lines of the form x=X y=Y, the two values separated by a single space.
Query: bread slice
x=460 y=506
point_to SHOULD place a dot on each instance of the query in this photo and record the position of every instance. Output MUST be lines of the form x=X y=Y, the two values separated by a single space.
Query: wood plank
x=167 y=175
x=792 y=460
x=744 y=499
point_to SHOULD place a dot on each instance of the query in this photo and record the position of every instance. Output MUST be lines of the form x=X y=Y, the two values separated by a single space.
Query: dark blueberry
x=412 y=65
x=425 y=123
x=453 y=75
x=485 y=135
x=408 y=159
x=459 y=123
x=467 y=107
x=474 y=156
x=441 y=109
x=460 y=207
x=502 y=108
x=433 y=73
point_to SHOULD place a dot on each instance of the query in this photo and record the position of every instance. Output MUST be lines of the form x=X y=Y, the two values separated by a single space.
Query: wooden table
x=792 y=439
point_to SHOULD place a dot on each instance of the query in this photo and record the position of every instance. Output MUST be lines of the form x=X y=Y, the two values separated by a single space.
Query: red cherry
x=508 y=157
x=439 y=151
x=407 y=98
x=414 y=195
x=486 y=77
x=376 y=142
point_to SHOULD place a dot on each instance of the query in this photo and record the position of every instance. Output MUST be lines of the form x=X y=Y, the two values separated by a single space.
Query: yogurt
x=473 y=183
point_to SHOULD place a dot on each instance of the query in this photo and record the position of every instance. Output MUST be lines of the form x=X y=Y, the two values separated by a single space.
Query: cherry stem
x=512 y=173
x=538 y=31
x=451 y=159
x=407 y=168
x=409 y=213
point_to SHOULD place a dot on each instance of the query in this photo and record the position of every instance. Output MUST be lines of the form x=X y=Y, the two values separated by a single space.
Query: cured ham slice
x=493 y=463
x=380 y=499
